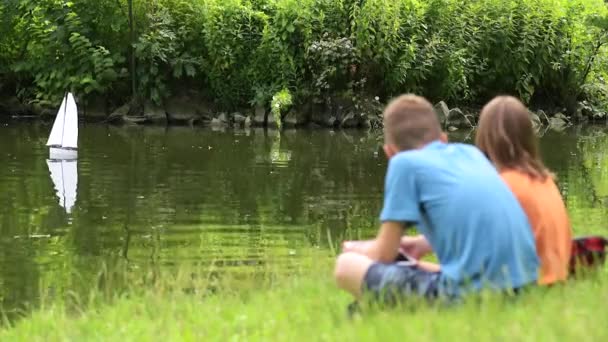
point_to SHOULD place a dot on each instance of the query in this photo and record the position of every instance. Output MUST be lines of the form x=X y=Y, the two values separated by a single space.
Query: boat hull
x=62 y=153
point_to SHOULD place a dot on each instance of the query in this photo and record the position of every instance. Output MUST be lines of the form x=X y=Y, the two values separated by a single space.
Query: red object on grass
x=587 y=252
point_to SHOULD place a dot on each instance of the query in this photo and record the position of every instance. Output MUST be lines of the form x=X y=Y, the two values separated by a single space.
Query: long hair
x=506 y=135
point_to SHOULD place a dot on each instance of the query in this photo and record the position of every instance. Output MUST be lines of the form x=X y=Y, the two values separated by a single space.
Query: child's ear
x=443 y=137
x=390 y=150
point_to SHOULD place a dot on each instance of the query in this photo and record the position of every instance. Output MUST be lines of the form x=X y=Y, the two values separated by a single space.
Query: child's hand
x=415 y=246
x=347 y=246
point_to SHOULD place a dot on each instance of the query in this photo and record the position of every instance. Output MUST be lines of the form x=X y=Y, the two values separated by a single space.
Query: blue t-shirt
x=474 y=223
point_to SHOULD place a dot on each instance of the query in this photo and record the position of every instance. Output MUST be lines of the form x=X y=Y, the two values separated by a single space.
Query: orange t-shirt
x=543 y=204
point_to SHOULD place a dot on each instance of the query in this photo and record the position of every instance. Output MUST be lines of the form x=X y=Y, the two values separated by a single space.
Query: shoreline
x=305 y=116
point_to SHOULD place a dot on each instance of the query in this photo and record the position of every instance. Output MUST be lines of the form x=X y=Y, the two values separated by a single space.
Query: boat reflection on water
x=64 y=174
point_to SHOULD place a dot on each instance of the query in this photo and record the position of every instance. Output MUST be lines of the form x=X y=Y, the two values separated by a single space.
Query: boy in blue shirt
x=453 y=195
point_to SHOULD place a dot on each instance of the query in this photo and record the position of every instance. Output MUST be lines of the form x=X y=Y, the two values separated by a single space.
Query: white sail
x=56 y=136
x=70 y=131
x=64 y=174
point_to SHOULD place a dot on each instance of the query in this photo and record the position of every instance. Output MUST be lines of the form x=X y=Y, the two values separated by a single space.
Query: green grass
x=307 y=306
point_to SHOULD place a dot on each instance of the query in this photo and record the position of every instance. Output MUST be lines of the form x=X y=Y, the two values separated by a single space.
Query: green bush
x=242 y=52
x=233 y=31
x=281 y=102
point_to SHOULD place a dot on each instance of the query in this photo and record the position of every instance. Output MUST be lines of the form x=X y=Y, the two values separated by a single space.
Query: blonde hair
x=409 y=122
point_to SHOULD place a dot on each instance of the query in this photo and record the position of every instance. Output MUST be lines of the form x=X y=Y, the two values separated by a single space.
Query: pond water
x=237 y=201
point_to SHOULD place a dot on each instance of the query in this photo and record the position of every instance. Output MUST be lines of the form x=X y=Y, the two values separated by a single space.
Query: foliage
x=331 y=63
x=161 y=54
x=232 y=33
x=547 y=52
x=58 y=54
x=281 y=102
x=8 y=12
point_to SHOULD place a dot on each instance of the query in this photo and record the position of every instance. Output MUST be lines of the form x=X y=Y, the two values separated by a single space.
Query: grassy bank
x=307 y=306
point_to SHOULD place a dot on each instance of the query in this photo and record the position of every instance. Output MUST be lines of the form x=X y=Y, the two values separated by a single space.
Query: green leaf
x=190 y=70
x=86 y=80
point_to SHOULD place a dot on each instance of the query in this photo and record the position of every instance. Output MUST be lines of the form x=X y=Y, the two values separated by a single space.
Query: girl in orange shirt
x=505 y=134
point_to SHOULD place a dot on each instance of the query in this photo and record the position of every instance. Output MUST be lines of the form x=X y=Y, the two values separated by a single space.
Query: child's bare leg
x=350 y=272
x=428 y=266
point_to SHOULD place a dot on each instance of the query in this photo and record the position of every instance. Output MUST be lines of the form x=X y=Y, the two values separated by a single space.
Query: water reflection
x=64 y=174
x=240 y=201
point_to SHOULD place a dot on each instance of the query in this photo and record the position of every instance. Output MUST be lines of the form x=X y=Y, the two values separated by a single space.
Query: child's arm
x=384 y=248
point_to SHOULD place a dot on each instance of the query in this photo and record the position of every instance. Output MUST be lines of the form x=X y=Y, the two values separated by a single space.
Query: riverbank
x=195 y=111
x=307 y=306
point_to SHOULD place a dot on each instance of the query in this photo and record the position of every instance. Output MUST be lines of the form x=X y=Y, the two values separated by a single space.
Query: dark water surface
x=237 y=201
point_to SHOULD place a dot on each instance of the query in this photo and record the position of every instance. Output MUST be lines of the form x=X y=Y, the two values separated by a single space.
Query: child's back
x=469 y=216
x=547 y=213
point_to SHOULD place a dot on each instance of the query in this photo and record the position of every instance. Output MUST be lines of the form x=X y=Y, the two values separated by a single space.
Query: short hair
x=410 y=121
x=506 y=135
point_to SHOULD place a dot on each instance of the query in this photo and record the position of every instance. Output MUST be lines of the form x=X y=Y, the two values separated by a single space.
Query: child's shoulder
x=523 y=183
x=514 y=176
x=519 y=182
x=439 y=154
x=469 y=152
x=465 y=147
x=443 y=150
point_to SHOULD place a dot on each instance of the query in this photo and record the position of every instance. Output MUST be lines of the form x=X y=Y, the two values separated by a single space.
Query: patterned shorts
x=391 y=283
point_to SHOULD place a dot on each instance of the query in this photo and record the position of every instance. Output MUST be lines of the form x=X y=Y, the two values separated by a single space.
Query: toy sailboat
x=63 y=140
x=63 y=153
